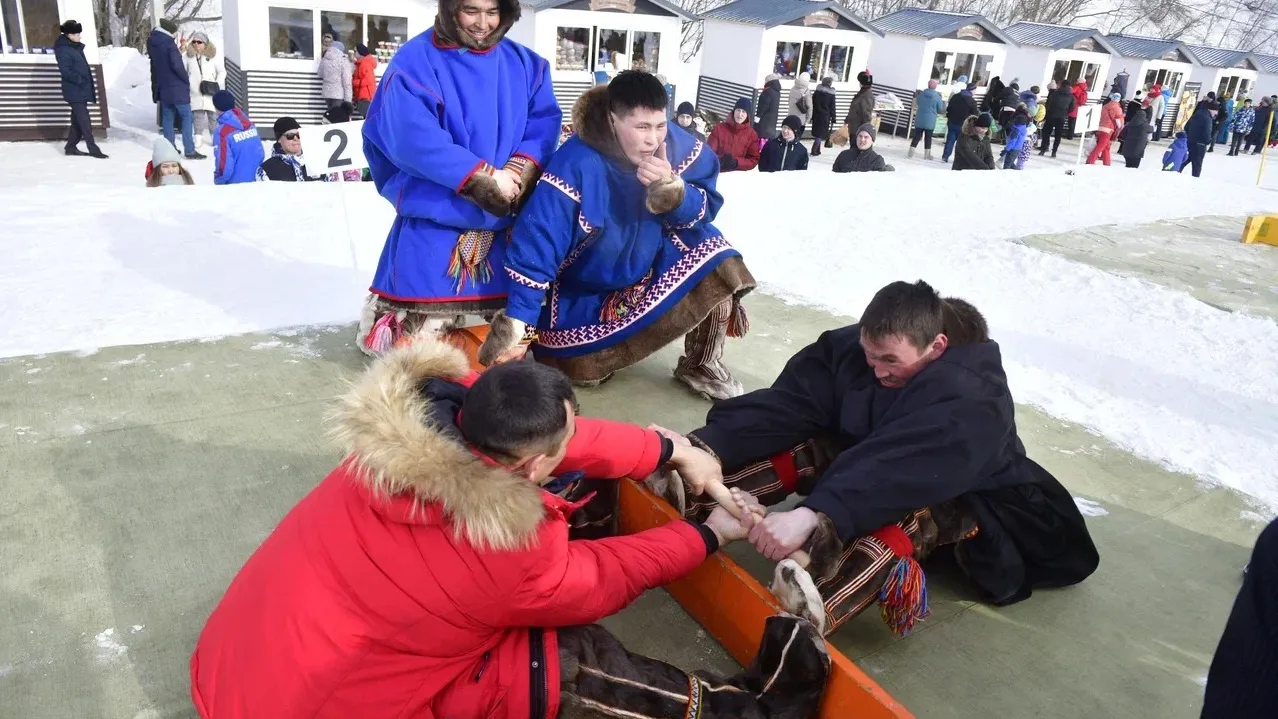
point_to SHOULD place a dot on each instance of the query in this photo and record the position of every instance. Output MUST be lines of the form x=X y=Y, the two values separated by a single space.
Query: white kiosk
x=747 y=40
x=1224 y=72
x=31 y=106
x=921 y=45
x=1149 y=60
x=1267 y=82
x=582 y=38
x=272 y=48
x=1058 y=52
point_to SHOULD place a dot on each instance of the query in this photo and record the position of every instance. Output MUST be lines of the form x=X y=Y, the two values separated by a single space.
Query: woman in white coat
x=801 y=99
x=206 y=79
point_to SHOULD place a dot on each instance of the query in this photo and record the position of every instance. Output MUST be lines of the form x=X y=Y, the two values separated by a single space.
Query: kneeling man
x=900 y=432
x=615 y=256
x=431 y=574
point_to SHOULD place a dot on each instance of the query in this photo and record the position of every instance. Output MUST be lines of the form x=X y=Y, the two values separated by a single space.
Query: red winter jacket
x=418 y=581
x=1080 y=97
x=739 y=141
x=1111 y=119
x=364 y=81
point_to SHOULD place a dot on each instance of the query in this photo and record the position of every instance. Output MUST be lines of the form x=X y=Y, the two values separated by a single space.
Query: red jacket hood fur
x=406 y=582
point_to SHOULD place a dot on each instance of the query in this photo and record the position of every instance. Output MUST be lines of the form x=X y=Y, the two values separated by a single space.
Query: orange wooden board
x=733 y=606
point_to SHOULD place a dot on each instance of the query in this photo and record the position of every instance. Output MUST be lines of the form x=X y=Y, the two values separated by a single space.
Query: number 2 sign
x=334 y=148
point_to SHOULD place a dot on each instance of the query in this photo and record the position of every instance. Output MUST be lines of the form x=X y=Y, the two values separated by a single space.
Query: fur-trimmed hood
x=384 y=423
x=590 y=122
x=449 y=34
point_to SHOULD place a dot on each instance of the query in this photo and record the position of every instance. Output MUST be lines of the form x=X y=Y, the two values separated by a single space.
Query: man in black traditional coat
x=900 y=434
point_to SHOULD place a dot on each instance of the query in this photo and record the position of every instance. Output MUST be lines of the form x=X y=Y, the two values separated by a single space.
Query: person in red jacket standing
x=431 y=574
x=1111 y=123
x=364 y=81
x=1080 y=101
x=735 y=141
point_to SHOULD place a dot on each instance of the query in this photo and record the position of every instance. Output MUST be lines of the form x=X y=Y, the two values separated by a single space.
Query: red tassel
x=903 y=598
x=738 y=322
x=384 y=333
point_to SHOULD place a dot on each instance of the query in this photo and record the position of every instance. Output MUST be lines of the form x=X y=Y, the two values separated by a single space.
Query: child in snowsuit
x=1175 y=157
x=237 y=148
x=165 y=167
x=1017 y=138
x=1243 y=121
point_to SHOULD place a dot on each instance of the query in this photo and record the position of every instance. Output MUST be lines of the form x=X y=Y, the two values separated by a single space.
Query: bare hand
x=729 y=528
x=655 y=168
x=508 y=183
x=697 y=467
x=780 y=535
x=670 y=434
x=514 y=354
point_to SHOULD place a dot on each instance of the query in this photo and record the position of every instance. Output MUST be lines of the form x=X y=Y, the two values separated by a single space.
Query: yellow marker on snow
x=1261 y=229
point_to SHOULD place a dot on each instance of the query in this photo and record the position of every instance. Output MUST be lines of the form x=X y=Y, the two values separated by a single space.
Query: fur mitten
x=665 y=195
x=504 y=334
x=483 y=190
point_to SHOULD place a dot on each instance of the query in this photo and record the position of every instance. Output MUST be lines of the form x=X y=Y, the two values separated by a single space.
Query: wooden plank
x=732 y=606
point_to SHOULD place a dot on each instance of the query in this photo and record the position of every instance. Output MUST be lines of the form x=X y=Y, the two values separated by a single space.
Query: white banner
x=334 y=148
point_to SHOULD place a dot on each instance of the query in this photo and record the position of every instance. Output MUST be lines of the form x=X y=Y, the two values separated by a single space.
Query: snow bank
x=127 y=74
x=1166 y=376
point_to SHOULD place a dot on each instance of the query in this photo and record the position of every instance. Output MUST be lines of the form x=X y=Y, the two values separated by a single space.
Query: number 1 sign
x=334 y=148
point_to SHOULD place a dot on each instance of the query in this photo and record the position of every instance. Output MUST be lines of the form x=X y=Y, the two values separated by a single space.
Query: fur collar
x=449 y=35
x=592 y=122
x=396 y=449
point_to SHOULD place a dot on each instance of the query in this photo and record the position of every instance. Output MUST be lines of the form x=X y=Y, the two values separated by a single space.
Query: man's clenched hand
x=697 y=467
x=729 y=528
x=780 y=535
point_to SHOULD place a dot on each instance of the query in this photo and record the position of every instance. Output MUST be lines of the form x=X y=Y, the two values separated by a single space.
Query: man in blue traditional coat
x=458 y=132
x=615 y=256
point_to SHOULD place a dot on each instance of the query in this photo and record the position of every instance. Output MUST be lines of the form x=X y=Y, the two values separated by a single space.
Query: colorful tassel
x=469 y=262
x=384 y=333
x=738 y=322
x=903 y=598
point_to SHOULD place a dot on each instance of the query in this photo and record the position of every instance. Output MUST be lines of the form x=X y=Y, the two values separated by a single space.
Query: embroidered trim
x=691 y=158
x=678 y=242
x=694 y=699
x=700 y=215
x=583 y=223
x=562 y=185
x=658 y=292
x=527 y=281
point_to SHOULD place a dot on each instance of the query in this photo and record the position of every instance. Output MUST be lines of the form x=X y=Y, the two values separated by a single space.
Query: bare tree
x=126 y=23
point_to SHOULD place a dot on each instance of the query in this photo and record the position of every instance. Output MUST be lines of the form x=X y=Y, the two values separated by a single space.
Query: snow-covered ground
x=95 y=259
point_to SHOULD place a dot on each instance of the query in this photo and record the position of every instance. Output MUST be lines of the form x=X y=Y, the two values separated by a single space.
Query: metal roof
x=536 y=5
x=1056 y=37
x=1146 y=47
x=1221 y=57
x=934 y=23
x=771 y=13
x=1268 y=63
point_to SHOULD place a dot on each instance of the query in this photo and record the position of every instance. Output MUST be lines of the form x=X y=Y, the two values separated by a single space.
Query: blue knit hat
x=223 y=100
x=744 y=103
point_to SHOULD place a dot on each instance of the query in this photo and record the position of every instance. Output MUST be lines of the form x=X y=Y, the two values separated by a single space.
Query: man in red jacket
x=734 y=140
x=431 y=574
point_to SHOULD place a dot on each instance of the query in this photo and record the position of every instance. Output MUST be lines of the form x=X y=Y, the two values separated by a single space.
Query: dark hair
x=517 y=408
x=917 y=313
x=633 y=89
x=912 y=311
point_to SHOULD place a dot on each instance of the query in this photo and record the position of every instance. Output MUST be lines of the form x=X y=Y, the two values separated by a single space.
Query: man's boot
x=910 y=155
x=927 y=155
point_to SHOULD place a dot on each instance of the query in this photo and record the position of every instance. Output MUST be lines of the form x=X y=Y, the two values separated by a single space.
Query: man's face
x=787 y=134
x=864 y=141
x=895 y=359
x=539 y=468
x=73 y=37
x=740 y=116
x=684 y=120
x=326 y=43
x=291 y=141
x=479 y=19
x=640 y=133
x=980 y=131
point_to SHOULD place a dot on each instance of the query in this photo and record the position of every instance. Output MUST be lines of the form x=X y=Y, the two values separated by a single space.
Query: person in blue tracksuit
x=461 y=125
x=1017 y=136
x=237 y=148
x=1174 y=158
x=616 y=256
